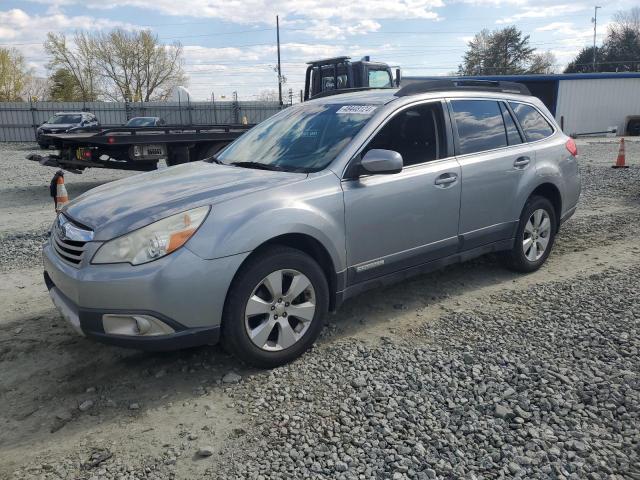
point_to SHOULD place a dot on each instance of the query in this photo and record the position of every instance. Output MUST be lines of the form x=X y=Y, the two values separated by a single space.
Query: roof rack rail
x=437 y=85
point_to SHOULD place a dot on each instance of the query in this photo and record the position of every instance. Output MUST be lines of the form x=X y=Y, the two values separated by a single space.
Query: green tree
x=503 y=52
x=64 y=86
x=13 y=75
x=476 y=55
x=583 y=62
x=622 y=51
x=77 y=59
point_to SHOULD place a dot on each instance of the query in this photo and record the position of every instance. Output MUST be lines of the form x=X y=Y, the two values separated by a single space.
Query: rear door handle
x=521 y=162
x=446 y=179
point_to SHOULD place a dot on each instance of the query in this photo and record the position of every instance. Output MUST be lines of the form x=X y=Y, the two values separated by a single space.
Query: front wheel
x=535 y=236
x=275 y=308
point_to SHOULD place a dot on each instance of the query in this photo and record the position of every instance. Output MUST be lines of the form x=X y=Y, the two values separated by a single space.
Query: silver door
x=396 y=221
x=491 y=179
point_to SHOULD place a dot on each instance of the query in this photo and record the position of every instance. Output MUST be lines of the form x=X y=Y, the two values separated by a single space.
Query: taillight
x=111 y=140
x=571 y=147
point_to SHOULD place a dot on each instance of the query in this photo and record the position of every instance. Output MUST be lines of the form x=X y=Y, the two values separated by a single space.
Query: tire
x=526 y=257
x=258 y=328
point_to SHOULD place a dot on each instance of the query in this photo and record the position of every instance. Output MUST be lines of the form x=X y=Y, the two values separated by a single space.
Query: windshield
x=303 y=138
x=65 y=119
x=141 y=122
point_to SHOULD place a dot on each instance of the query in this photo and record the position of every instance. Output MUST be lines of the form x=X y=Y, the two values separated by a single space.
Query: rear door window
x=535 y=126
x=416 y=133
x=480 y=125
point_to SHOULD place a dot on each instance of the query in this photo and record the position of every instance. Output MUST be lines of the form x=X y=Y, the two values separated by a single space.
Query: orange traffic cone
x=62 y=197
x=620 y=162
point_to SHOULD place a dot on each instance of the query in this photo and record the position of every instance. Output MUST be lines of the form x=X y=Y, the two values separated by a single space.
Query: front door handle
x=521 y=162
x=446 y=179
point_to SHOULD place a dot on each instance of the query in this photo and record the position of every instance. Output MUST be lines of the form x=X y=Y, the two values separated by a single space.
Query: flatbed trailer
x=140 y=148
x=137 y=148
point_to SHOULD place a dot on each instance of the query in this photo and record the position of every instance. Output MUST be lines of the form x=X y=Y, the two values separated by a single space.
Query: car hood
x=58 y=126
x=119 y=207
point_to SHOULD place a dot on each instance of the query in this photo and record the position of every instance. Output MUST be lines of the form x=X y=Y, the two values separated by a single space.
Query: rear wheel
x=535 y=236
x=276 y=307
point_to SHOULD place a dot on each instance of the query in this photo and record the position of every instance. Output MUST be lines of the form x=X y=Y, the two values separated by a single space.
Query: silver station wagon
x=318 y=203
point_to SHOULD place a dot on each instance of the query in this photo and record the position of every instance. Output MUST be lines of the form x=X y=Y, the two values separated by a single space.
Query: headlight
x=153 y=241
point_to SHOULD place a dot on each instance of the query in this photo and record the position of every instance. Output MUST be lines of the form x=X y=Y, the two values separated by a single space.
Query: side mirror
x=379 y=161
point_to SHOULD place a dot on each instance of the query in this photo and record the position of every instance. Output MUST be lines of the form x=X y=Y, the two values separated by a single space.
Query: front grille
x=69 y=240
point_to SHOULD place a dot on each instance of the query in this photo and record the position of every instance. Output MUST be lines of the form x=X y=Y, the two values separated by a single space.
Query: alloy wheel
x=537 y=232
x=280 y=310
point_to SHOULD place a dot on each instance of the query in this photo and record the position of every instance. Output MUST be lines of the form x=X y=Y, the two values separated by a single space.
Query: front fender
x=313 y=207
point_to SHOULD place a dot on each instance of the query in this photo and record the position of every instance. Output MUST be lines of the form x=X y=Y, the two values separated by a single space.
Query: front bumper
x=182 y=290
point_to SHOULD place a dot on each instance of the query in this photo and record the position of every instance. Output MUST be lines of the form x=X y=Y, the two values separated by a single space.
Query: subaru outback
x=326 y=199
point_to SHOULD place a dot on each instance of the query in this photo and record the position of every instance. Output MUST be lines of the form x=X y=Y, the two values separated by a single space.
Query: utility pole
x=279 y=70
x=595 y=27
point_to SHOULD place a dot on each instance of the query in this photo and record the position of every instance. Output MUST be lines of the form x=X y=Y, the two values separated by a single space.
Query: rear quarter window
x=535 y=126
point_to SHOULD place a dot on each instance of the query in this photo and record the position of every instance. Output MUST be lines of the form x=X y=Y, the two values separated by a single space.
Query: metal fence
x=19 y=120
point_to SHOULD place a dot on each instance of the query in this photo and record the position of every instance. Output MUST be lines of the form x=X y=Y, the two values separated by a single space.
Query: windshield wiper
x=258 y=166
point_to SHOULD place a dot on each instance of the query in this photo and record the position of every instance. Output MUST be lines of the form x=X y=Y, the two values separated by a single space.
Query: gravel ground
x=470 y=372
x=540 y=383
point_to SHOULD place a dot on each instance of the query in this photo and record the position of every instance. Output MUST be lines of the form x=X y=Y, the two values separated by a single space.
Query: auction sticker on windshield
x=361 y=109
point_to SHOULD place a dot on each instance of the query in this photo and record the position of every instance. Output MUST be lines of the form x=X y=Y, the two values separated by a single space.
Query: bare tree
x=544 y=63
x=36 y=88
x=13 y=75
x=77 y=59
x=135 y=65
x=627 y=20
x=269 y=95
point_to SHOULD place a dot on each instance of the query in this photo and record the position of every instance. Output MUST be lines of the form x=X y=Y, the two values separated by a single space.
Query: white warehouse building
x=583 y=103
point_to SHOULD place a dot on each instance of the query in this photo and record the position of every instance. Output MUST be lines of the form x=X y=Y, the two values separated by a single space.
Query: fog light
x=134 y=325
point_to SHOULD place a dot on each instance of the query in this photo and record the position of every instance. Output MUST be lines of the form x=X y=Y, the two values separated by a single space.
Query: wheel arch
x=312 y=247
x=552 y=193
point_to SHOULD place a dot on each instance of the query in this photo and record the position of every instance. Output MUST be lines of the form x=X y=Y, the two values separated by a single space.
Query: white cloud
x=540 y=11
x=556 y=27
x=569 y=40
x=263 y=11
x=28 y=32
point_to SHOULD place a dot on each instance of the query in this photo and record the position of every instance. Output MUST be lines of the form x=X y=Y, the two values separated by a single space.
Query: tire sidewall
x=535 y=203
x=234 y=334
